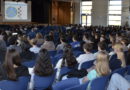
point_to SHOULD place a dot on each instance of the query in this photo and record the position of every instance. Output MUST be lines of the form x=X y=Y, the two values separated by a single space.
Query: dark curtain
x=41 y=10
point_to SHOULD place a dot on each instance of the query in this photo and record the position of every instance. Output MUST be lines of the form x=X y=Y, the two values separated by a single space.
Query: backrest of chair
x=21 y=84
x=128 y=70
x=62 y=85
x=87 y=64
x=64 y=70
x=79 y=87
x=41 y=83
x=100 y=83
x=120 y=71
x=29 y=64
x=23 y=81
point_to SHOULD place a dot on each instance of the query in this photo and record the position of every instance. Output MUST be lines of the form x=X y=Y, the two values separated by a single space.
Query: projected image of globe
x=11 y=12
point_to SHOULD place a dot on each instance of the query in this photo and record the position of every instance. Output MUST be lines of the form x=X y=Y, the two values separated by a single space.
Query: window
x=114 y=12
x=86 y=13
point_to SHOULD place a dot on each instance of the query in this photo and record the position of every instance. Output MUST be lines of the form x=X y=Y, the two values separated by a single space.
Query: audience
x=23 y=43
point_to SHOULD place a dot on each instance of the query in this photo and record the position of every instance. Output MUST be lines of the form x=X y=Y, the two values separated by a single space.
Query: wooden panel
x=61 y=12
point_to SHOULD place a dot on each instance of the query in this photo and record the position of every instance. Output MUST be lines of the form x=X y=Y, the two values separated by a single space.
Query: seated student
x=62 y=44
x=48 y=44
x=43 y=66
x=35 y=49
x=13 y=44
x=101 y=67
x=101 y=47
x=118 y=59
x=68 y=59
x=75 y=43
x=88 y=56
x=117 y=82
x=39 y=39
x=12 y=68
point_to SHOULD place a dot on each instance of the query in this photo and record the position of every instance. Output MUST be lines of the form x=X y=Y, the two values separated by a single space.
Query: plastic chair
x=86 y=65
x=128 y=70
x=21 y=84
x=29 y=64
x=100 y=83
x=120 y=71
x=79 y=87
x=66 y=84
x=43 y=83
x=52 y=53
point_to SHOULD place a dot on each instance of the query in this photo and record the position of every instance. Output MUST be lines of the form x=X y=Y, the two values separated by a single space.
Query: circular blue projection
x=11 y=12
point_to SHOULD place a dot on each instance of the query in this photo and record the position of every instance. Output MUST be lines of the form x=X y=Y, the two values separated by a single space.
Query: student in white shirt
x=88 y=56
x=35 y=49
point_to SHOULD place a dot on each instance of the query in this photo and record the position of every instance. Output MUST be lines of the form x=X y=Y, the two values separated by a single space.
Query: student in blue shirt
x=75 y=43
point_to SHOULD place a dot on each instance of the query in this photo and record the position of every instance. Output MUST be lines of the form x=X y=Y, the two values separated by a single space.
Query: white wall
x=77 y=12
x=125 y=12
x=99 y=12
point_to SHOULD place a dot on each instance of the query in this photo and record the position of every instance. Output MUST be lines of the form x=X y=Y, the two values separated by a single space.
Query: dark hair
x=12 y=57
x=63 y=39
x=102 y=45
x=75 y=37
x=48 y=38
x=88 y=47
x=12 y=40
x=68 y=57
x=43 y=65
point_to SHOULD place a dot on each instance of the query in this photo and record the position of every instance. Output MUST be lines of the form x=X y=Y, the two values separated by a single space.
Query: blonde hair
x=120 y=53
x=102 y=64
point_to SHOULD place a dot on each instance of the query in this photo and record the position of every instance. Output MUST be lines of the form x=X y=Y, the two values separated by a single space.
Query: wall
x=125 y=12
x=77 y=12
x=99 y=12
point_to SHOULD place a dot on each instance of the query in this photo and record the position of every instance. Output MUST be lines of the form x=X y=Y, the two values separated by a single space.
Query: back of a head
x=102 y=45
x=102 y=64
x=88 y=47
x=43 y=65
x=118 y=47
x=48 y=38
x=68 y=57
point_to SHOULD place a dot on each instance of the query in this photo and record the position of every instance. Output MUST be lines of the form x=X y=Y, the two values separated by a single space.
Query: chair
x=128 y=70
x=64 y=70
x=21 y=84
x=77 y=53
x=43 y=83
x=29 y=64
x=100 y=83
x=52 y=53
x=86 y=65
x=62 y=85
x=120 y=71
x=79 y=87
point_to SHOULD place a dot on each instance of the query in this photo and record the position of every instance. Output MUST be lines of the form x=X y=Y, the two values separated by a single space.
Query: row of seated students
x=112 y=52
